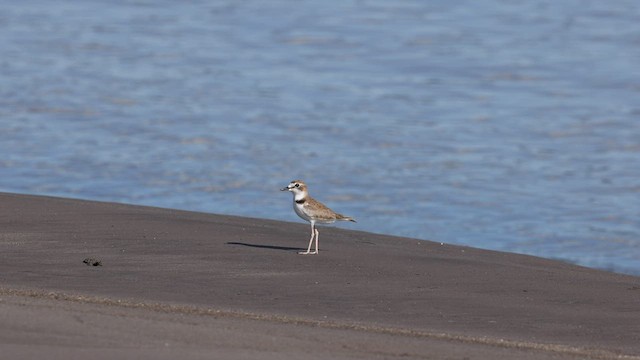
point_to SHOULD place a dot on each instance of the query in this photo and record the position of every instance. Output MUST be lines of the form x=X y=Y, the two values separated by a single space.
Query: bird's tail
x=346 y=218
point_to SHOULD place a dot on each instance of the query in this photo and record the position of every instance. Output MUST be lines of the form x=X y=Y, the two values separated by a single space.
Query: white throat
x=299 y=195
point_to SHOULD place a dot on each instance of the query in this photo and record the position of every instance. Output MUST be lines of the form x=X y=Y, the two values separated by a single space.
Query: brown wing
x=319 y=211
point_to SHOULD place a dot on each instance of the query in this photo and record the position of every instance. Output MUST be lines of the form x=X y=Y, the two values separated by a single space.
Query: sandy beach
x=192 y=285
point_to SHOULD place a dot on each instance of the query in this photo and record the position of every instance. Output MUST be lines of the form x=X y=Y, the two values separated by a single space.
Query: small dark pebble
x=92 y=262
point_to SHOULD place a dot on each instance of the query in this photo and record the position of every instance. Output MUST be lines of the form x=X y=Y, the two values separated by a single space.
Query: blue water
x=505 y=125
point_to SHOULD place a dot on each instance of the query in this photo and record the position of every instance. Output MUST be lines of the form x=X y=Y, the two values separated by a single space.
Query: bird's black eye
x=297 y=185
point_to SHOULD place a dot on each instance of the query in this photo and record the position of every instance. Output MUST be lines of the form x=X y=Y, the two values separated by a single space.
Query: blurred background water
x=508 y=125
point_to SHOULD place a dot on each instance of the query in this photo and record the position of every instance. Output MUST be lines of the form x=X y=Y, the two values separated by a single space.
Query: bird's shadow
x=270 y=247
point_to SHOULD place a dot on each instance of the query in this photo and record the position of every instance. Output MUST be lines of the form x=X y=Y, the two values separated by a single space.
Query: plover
x=311 y=210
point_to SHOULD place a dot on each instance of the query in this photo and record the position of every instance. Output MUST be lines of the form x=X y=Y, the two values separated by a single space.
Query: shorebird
x=311 y=210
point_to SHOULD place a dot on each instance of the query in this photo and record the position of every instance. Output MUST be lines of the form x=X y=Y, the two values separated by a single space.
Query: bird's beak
x=284 y=189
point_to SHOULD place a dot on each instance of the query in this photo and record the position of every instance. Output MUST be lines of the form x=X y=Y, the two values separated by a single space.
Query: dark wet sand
x=175 y=284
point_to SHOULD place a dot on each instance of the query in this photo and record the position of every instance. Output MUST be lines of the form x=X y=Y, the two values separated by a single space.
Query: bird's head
x=296 y=187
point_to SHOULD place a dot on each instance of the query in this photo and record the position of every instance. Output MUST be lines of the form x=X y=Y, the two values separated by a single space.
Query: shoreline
x=206 y=262
x=608 y=267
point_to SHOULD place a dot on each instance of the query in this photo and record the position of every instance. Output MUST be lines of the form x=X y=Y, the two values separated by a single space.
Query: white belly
x=299 y=209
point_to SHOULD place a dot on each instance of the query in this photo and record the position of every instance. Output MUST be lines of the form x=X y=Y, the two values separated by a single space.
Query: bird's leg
x=317 y=234
x=310 y=241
